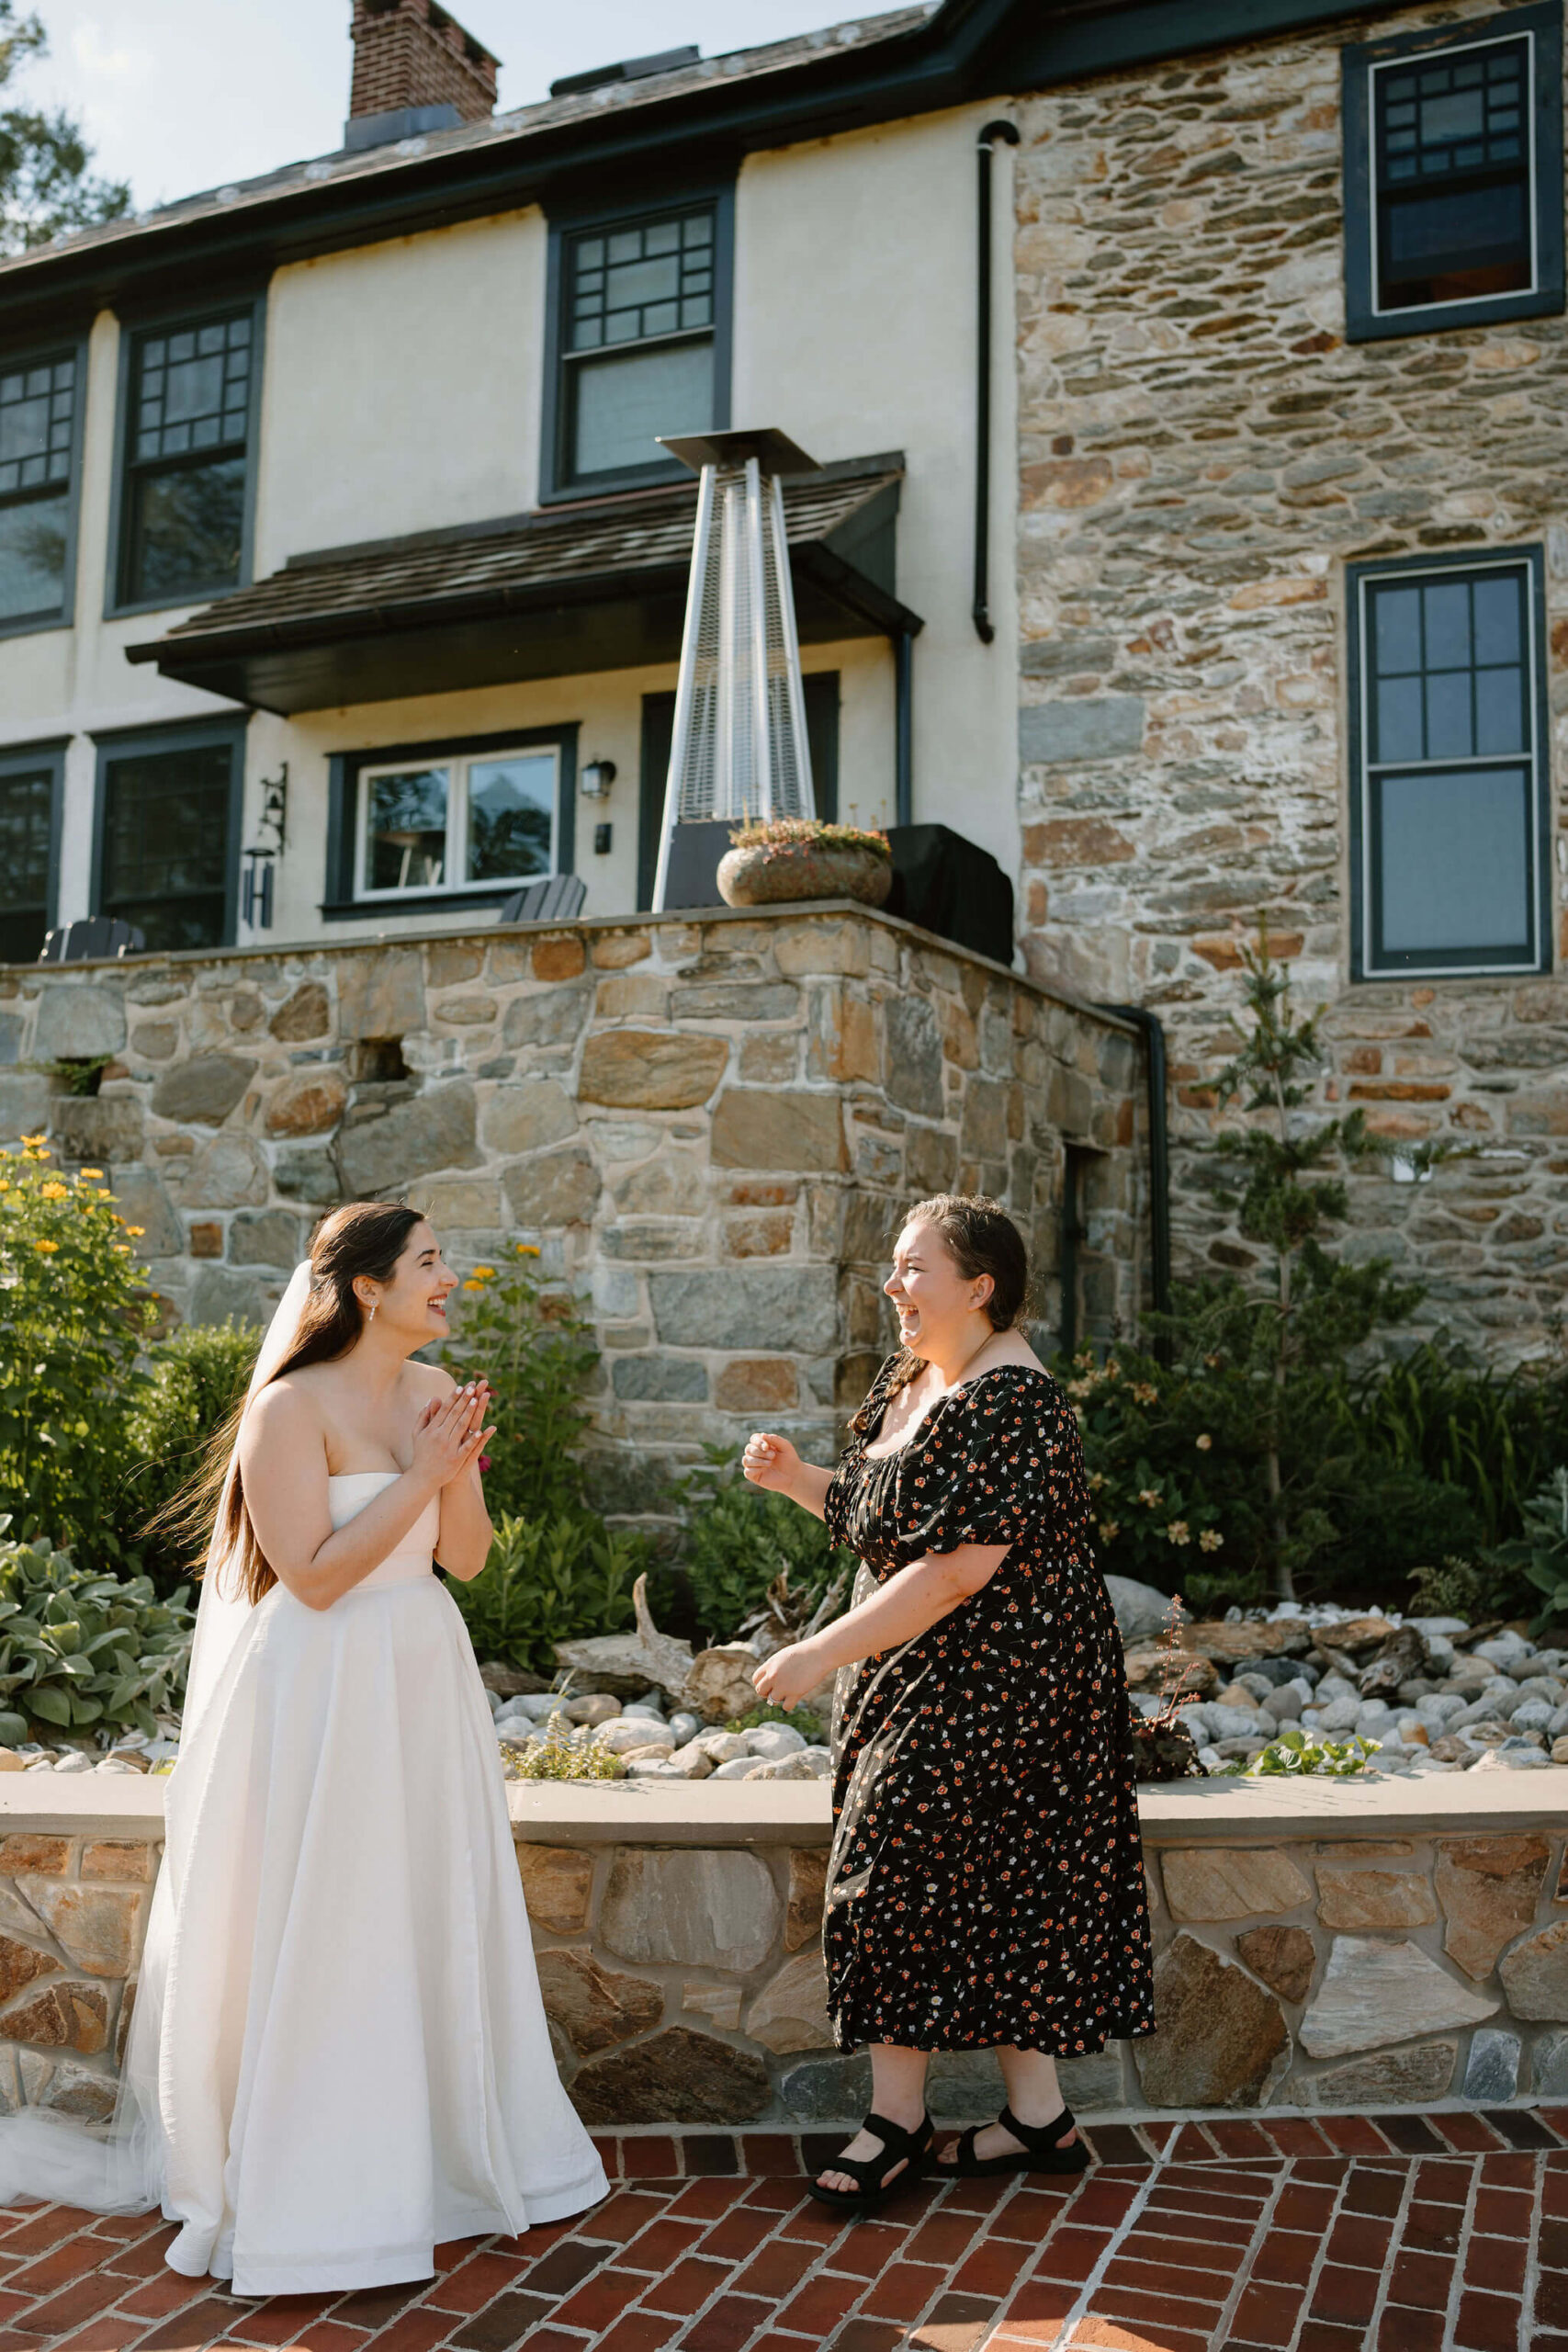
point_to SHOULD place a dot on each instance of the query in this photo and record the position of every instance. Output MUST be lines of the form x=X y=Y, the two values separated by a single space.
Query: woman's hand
x=770 y=1462
x=449 y=1435
x=785 y=1678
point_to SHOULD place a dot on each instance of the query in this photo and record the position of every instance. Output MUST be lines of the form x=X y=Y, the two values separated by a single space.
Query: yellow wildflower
x=106 y=1195
x=46 y=1248
x=528 y=1249
x=54 y=1191
x=1204 y=1442
x=1179 y=1532
x=42 y=1137
x=1151 y=1497
x=473 y=1285
x=1209 y=1540
x=483 y=1273
x=137 y=1230
x=122 y=1249
x=82 y=1173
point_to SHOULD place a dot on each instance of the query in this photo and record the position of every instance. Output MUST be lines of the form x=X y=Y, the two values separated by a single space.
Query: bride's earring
x=371 y=1317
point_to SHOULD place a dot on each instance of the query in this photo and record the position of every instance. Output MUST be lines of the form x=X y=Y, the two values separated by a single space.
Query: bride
x=338 y=2057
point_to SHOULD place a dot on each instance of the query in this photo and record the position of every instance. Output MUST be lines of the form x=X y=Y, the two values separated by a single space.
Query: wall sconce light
x=597 y=778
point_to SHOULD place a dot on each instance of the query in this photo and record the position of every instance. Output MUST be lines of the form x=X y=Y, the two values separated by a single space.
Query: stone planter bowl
x=760 y=875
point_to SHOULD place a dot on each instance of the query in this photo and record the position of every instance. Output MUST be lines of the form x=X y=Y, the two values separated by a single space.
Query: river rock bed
x=652 y=1743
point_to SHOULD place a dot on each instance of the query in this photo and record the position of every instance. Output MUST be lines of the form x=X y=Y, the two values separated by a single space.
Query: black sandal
x=913 y=2147
x=1042 y=2150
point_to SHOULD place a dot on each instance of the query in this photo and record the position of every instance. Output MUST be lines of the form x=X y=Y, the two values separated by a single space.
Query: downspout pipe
x=1160 y=1157
x=981 y=608
x=903 y=728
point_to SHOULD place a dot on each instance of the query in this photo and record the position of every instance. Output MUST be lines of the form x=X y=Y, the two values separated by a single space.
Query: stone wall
x=1321 y=1949
x=710 y=1127
x=1200 y=453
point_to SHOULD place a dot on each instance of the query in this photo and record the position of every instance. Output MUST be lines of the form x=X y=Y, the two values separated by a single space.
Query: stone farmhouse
x=1189 y=534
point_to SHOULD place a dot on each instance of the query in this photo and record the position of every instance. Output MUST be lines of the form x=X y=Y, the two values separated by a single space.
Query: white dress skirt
x=339 y=2057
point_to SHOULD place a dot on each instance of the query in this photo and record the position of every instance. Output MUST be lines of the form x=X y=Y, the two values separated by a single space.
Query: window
x=190 y=397
x=639 y=342
x=40 y=417
x=1454 y=176
x=29 y=848
x=428 y=824
x=168 y=834
x=1449 y=868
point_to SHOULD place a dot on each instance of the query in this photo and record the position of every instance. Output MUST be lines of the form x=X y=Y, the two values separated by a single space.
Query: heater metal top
x=775 y=451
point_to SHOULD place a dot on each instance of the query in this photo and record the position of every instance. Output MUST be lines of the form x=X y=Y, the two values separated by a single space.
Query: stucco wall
x=712 y=1130
x=1199 y=453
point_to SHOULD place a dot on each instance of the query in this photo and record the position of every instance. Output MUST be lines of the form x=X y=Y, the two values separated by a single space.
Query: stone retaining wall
x=1329 y=1948
x=710 y=1127
x=1201 y=454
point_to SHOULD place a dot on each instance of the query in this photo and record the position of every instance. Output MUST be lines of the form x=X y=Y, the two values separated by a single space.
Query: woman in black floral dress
x=986 y=1888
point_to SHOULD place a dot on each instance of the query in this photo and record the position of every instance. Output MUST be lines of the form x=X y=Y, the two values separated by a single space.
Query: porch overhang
x=557 y=593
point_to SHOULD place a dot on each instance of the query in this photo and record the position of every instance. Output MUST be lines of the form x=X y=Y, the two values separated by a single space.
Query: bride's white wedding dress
x=339 y=2057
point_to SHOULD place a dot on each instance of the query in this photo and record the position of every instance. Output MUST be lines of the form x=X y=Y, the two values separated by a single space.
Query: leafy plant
x=1542 y=1552
x=76 y=1313
x=1298 y=1752
x=800 y=1719
x=740 y=1540
x=76 y=1073
x=548 y=1579
x=538 y=1355
x=196 y=1377
x=80 y=1650
x=566 y=1752
x=808 y=833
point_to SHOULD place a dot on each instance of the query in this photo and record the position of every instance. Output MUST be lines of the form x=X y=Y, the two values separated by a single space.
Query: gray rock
x=10 y=1051
x=702 y=1907
x=1504 y=1650
x=267 y=1238
x=795 y=1767
x=302 y=1174
x=228 y=1174
x=670 y=1379
x=1371 y=1993
x=380 y=993
x=203 y=1090
x=676 y=2077
x=548 y=1017
x=216 y=1294
x=25 y=1099
x=732 y=1306
x=772 y=1741
x=1085 y=726
x=527 y=1116
x=1549 y=2066
x=431 y=1130
x=553 y=1187
x=141 y=1199
x=1141 y=1610
x=97 y=1126
x=1408 y=2078
x=828 y=2091
x=78 y=1023
x=1492 y=2070
x=914 y=1057
x=1532 y=1714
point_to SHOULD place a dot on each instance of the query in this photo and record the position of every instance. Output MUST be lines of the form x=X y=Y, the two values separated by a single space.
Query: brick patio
x=1406 y=2233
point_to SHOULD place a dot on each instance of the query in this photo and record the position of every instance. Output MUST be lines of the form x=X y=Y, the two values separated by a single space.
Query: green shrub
x=538 y=1355
x=550 y=1579
x=78 y=1313
x=740 y=1539
x=80 y=1651
x=1540 y=1555
x=1297 y=1752
x=196 y=1377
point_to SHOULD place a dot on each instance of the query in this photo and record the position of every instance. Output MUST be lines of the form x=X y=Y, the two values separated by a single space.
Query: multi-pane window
x=1449 y=777
x=186 y=456
x=1453 y=176
x=1453 y=195
x=456 y=823
x=636 y=341
x=168 y=847
x=38 y=442
x=27 y=810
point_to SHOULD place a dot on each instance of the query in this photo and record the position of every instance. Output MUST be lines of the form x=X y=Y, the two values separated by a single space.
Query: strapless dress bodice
x=348 y=1491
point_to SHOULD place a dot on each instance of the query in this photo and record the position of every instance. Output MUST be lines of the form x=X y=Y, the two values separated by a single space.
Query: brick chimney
x=414 y=69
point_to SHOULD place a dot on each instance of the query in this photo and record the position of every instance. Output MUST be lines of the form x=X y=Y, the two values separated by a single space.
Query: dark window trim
x=131 y=328
x=824 y=693
x=340 y=905
x=18 y=759
x=1454 y=964
x=176 y=735
x=32 y=355
x=1364 y=321
x=555 y=484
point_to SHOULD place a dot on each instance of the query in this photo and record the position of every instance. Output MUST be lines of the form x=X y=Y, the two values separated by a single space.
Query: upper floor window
x=640 y=345
x=168 y=828
x=1449 y=786
x=423 y=825
x=189 y=425
x=39 y=438
x=1454 y=176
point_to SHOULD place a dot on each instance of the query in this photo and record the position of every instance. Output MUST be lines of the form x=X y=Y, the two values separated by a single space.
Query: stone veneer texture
x=711 y=1129
x=1200 y=453
x=684 y=1984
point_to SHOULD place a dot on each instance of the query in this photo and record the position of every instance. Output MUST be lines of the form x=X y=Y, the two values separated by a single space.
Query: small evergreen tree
x=46 y=186
x=1312 y=1309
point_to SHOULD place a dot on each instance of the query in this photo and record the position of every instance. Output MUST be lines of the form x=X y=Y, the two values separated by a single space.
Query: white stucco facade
x=402 y=390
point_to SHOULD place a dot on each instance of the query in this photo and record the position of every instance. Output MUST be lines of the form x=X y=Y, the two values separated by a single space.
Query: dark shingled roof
x=272 y=643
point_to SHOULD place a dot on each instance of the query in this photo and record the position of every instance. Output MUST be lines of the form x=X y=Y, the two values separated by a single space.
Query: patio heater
x=738 y=750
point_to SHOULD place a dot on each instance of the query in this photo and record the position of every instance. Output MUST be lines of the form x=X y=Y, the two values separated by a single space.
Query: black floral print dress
x=985 y=1884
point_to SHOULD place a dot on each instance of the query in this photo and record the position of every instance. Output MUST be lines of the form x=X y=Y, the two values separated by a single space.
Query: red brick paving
x=1445 y=2232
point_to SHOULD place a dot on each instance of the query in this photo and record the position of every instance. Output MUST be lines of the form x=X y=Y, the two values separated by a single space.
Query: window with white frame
x=456 y=821
x=1449 y=771
x=1453 y=176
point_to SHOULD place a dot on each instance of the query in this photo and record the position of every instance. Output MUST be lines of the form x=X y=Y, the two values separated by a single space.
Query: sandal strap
x=872 y=2171
x=1039 y=2137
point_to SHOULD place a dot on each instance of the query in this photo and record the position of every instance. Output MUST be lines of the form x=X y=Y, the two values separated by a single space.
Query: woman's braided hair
x=981 y=1239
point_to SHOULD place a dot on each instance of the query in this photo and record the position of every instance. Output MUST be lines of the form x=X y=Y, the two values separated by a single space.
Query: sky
x=178 y=96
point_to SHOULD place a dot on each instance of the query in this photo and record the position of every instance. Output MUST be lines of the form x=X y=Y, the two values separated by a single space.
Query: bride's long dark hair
x=367 y=1237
